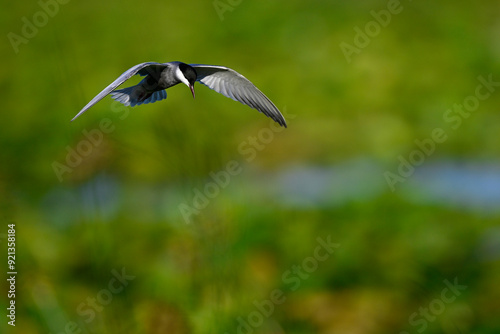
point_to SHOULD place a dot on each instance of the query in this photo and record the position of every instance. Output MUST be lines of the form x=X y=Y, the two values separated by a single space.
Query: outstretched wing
x=231 y=84
x=141 y=69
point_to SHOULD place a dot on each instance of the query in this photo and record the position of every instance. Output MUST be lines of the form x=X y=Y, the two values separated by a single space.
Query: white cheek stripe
x=181 y=77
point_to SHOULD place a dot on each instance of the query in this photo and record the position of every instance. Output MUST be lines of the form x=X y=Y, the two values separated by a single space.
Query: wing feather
x=235 y=86
x=141 y=69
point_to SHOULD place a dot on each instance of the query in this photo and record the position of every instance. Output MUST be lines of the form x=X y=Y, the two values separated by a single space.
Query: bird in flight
x=160 y=76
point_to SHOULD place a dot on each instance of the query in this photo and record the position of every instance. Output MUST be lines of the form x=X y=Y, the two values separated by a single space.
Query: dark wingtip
x=282 y=122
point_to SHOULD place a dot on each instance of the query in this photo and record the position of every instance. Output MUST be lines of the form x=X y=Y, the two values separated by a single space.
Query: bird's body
x=160 y=76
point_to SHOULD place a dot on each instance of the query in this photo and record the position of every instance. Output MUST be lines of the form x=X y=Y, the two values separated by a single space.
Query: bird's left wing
x=141 y=69
x=231 y=84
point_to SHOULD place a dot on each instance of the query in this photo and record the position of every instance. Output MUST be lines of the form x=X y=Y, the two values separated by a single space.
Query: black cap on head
x=188 y=72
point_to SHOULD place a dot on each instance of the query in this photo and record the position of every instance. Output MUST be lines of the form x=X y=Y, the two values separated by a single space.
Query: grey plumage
x=160 y=76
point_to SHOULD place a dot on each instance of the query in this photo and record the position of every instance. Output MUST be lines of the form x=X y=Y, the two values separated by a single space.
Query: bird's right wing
x=141 y=69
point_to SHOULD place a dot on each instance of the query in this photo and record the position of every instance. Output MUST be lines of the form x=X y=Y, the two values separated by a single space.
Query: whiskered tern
x=160 y=76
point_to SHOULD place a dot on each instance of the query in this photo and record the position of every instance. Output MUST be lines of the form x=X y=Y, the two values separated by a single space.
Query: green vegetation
x=200 y=217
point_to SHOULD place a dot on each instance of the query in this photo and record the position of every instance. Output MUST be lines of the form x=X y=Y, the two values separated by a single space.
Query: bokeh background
x=350 y=121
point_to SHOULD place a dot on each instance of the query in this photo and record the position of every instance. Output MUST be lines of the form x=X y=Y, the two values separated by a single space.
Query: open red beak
x=192 y=90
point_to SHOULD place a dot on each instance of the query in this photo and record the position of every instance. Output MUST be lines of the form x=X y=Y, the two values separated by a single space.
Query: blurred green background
x=350 y=121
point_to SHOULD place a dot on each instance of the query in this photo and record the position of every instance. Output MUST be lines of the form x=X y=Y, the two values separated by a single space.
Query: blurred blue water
x=472 y=186
x=463 y=185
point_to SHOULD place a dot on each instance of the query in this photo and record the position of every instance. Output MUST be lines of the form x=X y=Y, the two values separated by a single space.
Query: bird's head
x=187 y=75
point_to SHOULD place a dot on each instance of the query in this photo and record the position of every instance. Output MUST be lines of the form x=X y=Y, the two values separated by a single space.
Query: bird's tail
x=136 y=95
